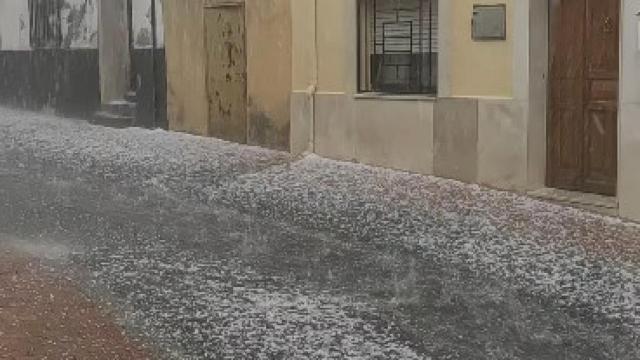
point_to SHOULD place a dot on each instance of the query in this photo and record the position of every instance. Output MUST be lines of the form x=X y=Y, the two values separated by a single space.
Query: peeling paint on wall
x=14 y=24
x=79 y=20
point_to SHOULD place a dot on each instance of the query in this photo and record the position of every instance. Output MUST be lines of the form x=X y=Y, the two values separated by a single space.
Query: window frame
x=366 y=44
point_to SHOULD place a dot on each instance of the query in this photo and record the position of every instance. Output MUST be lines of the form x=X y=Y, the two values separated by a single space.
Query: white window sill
x=394 y=97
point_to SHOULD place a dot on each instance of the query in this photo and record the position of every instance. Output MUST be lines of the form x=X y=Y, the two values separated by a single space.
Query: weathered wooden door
x=226 y=71
x=582 y=126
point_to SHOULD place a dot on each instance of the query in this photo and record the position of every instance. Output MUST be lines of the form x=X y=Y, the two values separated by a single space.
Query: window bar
x=32 y=17
x=421 y=50
x=58 y=24
x=375 y=46
x=359 y=43
x=410 y=55
x=430 y=83
x=154 y=46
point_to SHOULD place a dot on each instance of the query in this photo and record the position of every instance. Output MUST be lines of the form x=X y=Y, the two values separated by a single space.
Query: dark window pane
x=402 y=53
x=45 y=24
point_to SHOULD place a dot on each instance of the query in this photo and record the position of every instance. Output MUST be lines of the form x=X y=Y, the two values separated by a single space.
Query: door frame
x=218 y=4
x=547 y=108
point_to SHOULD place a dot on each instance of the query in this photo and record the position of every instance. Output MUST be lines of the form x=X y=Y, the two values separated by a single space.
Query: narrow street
x=205 y=249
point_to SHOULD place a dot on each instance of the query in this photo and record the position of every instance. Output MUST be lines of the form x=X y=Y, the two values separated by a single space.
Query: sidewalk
x=43 y=316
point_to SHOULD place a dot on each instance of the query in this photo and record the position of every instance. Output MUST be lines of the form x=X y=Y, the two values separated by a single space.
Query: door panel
x=583 y=95
x=566 y=147
x=226 y=72
x=600 y=167
x=566 y=105
x=601 y=113
x=602 y=39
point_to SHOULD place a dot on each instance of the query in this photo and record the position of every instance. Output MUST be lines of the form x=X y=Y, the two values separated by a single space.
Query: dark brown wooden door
x=582 y=134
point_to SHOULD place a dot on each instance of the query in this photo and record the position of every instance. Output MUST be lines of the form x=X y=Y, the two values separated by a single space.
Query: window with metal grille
x=398 y=46
x=45 y=24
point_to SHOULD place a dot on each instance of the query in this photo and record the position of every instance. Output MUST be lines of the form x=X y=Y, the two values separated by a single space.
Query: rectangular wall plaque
x=489 y=22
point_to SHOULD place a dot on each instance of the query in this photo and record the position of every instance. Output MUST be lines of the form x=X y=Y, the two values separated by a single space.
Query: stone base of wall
x=391 y=133
x=482 y=141
x=66 y=81
x=472 y=140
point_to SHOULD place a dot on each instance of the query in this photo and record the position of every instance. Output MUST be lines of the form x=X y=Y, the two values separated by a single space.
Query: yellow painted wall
x=269 y=72
x=187 y=107
x=335 y=38
x=479 y=68
x=476 y=68
x=302 y=38
x=337 y=47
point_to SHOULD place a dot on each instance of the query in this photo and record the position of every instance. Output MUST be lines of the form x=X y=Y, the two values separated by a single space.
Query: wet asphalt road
x=211 y=250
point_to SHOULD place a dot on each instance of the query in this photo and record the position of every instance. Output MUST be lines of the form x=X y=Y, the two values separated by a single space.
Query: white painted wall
x=14 y=25
x=142 y=24
x=80 y=24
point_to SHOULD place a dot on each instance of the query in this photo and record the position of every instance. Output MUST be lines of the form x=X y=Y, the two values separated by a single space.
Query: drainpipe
x=313 y=87
x=154 y=45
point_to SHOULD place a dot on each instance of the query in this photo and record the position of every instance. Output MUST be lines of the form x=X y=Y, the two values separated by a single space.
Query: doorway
x=226 y=71
x=582 y=125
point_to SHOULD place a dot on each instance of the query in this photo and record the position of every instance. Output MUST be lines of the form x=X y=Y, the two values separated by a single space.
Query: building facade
x=85 y=58
x=517 y=95
x=520 y=95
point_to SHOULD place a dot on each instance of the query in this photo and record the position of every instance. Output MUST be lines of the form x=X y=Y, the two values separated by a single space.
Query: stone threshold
x=605 y=205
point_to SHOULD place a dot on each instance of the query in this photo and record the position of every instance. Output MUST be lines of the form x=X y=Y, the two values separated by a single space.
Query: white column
x=113 y=47
x=629 y=164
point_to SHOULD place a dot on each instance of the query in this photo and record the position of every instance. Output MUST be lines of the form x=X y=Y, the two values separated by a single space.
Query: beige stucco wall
x=324 y=67
x=347 y=127
x=303 y=23
x=187 y=108
x=337 y=50
x=269 y=72
x=477 y=68
x=326 y=111
x=325 y=53
x=481 y=123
